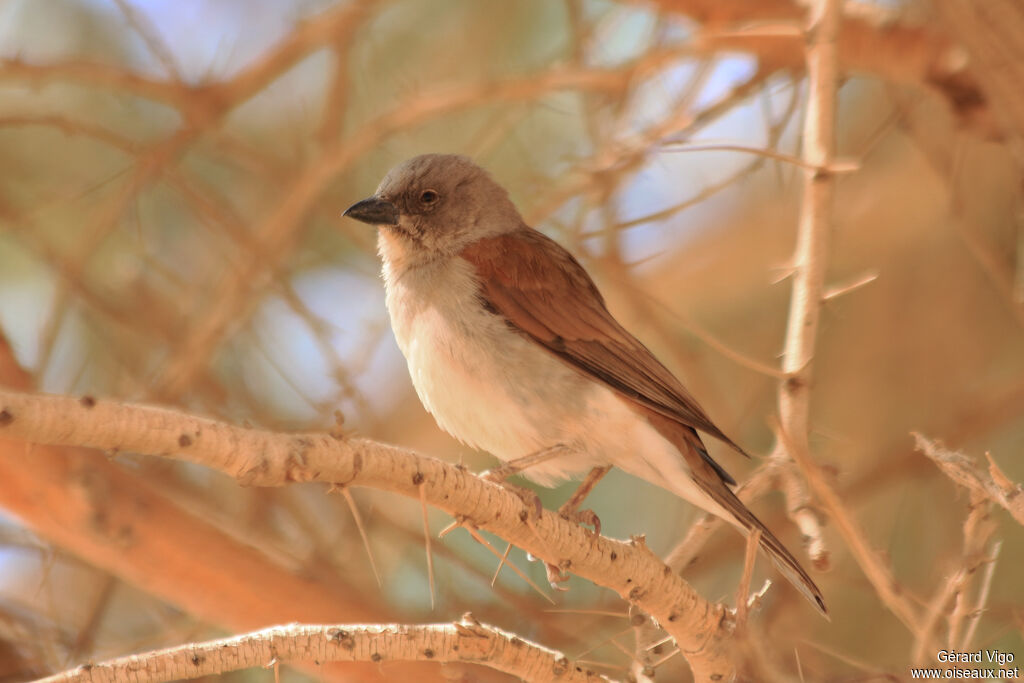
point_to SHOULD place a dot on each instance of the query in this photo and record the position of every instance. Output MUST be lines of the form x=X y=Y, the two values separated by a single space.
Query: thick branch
x=260 y=458
x=467 y=641
x=126 y=525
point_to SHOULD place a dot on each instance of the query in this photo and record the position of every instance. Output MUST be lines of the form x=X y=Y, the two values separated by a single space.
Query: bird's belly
x=490 y=387
x=493 y=390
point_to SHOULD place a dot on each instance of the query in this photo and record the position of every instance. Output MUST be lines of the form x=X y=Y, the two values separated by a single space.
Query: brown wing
x=544 y=292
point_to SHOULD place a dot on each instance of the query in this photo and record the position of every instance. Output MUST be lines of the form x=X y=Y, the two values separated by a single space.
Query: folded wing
x=542 y=291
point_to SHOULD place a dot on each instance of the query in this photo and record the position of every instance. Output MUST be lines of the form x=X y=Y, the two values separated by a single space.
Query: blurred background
x=172 y=175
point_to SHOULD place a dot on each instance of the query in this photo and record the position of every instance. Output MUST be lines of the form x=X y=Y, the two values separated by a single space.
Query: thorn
x=501 y=564
x=362 y=531
x=483 y=541
x=844 y=165
x=847 y=287
x=469 y=625
x=456 y=523
x=785 y=271
x=426 y=536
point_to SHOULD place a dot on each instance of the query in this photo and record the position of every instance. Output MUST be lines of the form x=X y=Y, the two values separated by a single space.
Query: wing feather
x=545 y=293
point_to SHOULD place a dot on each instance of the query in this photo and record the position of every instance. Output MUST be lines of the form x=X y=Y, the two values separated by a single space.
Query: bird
x=511 y=348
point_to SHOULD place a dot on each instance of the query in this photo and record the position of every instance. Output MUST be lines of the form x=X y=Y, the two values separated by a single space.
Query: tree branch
x=991 y=484
x=255 y=457
x=809 y=266
x=872 y=40
x=466 y=640
x=124 y=524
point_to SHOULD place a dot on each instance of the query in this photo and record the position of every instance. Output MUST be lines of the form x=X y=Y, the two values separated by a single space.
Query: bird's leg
x=507 y=469
x=570 y=510
x=556 y=575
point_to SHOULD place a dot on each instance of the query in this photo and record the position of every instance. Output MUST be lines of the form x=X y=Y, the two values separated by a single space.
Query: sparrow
x=512 y=350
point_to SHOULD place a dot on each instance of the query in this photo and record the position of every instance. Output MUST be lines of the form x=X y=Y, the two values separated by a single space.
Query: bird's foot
x=556 y=576
x=530 y=499
x=581 y=517
x=570 y=510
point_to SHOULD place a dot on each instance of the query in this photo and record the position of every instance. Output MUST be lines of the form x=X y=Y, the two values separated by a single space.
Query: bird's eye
x=429 y=196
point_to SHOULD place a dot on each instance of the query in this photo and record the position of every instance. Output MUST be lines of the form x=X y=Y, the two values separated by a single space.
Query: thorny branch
x=466 y=641
x=259 y=458
x=987 y=489
x=809 y=267
x=989 y=483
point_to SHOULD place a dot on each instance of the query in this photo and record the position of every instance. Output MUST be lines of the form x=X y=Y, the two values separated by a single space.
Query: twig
x=993 y=484
x=987 y=488
x=640 y=296
x=743 y=591
x=833 y=167
x=978 y=530
x=466 y=640
x=86 y=637
x=874 y=567
x=610 y=640
x=986 y=586
x=154 y=43
x=686 y=551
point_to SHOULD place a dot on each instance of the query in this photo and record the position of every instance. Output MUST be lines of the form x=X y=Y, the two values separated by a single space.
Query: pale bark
x=702 y=629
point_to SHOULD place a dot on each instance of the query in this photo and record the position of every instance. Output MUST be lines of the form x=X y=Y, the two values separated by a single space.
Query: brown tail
x=712 y=480
x=772 y=547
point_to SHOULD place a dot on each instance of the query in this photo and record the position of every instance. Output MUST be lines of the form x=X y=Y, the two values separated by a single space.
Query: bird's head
x=437 y=204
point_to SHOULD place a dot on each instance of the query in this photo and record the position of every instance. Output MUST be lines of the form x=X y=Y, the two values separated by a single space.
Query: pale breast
x=484 y=383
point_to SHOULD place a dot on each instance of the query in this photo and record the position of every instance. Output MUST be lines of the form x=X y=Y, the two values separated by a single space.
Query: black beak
x=375 y=211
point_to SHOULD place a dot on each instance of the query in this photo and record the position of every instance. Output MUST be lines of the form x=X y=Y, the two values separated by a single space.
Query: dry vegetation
x=172 y=180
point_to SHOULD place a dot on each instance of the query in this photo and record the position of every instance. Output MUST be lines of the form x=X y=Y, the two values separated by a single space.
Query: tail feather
x=772 y=546
x=712 y=481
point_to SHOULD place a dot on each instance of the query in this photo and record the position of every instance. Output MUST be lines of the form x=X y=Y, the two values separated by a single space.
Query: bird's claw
x=582 y=517
x=530 y=499
x=556 y=576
